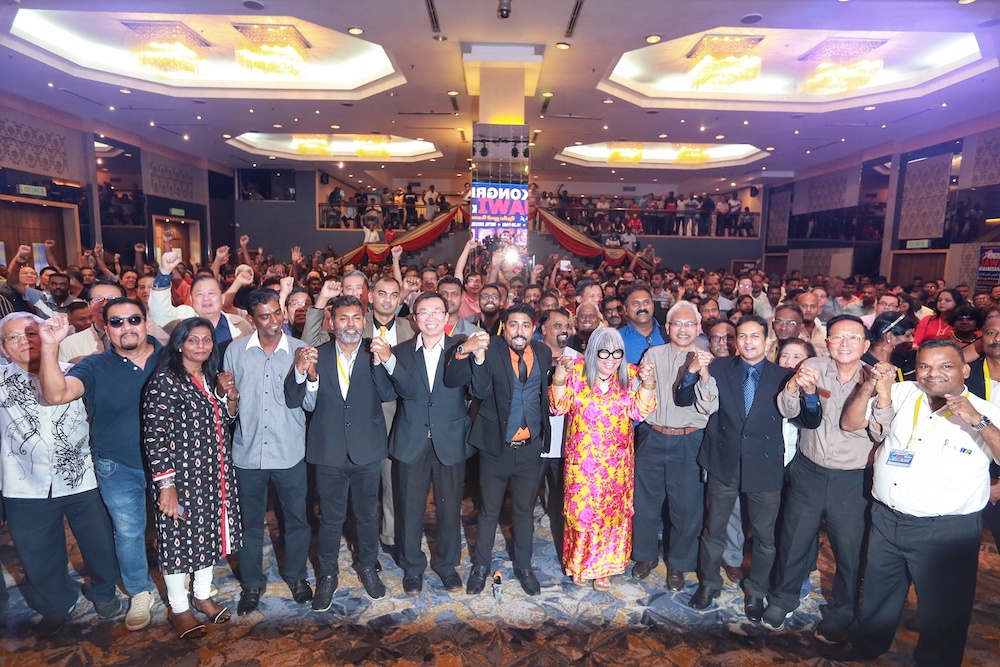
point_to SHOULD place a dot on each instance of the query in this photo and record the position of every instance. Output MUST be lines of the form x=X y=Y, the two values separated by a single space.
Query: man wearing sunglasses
x=110 y=384
x=94 y=339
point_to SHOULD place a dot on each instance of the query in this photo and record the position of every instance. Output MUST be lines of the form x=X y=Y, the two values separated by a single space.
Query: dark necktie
x=522 y=367
x=749 y=389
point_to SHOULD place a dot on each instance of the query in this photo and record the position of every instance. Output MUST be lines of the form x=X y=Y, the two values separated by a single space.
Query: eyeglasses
x=719 y=339
x=118 y=322
x=17 y=338
x=614 y=354
x=684 y=325
x=965 y=317
x=437 y=312
x=785 y=323
x=101 y=299
x=853 y=338
x=490 y=297
x=297 y=304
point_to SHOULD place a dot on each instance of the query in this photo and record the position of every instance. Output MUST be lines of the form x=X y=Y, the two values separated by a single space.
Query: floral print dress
x=600 y=465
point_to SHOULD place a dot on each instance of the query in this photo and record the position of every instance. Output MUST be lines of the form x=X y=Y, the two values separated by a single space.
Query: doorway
x=186 y=237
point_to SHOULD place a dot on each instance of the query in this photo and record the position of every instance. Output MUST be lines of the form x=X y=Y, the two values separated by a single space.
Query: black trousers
x=940 y=555
x=415 y=480
x=991 y=515
x=762 y=508
x=333 y=484
x=290 y=485
x=666 y=467
x=37 y=529
x=552 y=477
x=816 y=493
x=518 y=468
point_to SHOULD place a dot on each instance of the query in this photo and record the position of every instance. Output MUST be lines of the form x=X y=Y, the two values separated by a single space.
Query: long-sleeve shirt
x=670 y=364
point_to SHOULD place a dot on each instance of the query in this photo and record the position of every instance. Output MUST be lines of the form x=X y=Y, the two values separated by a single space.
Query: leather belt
x=665 y=430
x=517 y=444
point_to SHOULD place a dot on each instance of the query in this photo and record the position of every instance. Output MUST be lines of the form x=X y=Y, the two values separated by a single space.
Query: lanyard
x=916 y=416
x=899 y=374
x=986 y=376
x=344 y=374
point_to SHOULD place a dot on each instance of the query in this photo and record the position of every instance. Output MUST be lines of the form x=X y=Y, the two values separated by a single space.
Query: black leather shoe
x=754 y=607
x=477 y=580
x=413 y=585
x=452 y=582
x=372 y=583
x=702 y=598
x=325 y=588
x=642 y=568
x=301 y=592
x=675 y=580
x=249 y=600
x=529 y=582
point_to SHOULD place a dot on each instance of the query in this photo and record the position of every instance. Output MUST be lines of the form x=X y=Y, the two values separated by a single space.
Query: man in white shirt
x=931 y=482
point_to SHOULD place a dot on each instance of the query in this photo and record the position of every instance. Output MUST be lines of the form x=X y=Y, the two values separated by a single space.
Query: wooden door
x=908 y=263
x=25 y=224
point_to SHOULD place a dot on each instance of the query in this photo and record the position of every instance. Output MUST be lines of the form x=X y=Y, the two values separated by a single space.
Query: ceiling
x=609 y=87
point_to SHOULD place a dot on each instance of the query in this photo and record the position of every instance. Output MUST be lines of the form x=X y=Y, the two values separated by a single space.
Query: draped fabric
x=582 y=245
x=417 y=239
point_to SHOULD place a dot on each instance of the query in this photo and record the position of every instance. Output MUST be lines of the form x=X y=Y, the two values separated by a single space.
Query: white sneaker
x=137 y=617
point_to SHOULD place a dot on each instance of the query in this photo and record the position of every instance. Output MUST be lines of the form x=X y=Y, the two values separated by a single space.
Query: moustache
x=642 y=311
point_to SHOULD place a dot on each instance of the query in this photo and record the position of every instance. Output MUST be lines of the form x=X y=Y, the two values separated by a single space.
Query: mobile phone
x=565 y=265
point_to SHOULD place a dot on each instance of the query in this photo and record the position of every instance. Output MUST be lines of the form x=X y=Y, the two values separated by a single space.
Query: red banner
x=417 y=239
x=581 y=244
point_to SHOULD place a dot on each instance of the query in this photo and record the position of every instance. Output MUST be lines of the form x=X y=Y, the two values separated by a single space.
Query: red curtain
x=581 y=244
x=418 y=239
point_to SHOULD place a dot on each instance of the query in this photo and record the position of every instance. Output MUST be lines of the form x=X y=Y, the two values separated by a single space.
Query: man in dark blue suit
x=743 y=451
x=509 y=375
x=346 y=441
x=428 y=442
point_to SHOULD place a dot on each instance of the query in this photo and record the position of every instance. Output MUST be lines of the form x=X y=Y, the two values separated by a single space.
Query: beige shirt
x=670 y=366
x=829 y=445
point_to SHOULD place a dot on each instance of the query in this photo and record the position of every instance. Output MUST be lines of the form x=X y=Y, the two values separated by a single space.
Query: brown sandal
x=186 y=624
x=212 y=609
x=602 y=584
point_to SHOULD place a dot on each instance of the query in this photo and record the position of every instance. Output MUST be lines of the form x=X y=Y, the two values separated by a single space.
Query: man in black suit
x=346 y=441
x=509 y=375
x=428 y=442
x=742 y=451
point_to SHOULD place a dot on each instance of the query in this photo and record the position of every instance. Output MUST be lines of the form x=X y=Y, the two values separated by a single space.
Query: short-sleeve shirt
x=112 y=390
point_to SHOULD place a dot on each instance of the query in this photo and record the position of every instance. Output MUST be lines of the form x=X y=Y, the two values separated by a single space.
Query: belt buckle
x=518 y=444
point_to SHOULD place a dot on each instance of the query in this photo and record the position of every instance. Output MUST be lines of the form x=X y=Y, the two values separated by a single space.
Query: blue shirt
x=636 y=343
x=112 y=393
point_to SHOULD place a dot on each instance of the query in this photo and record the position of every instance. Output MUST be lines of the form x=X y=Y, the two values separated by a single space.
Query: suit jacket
x=464 y=328
x=342 y=429
x=438 y=410
x=976 y=384
x=492 y=385
x=748 y=449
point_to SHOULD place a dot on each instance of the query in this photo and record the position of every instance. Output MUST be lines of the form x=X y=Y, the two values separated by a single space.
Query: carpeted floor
x=638 y=623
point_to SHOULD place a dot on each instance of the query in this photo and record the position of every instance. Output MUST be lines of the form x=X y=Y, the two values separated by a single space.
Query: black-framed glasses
x=614 y=354
x=118 y=322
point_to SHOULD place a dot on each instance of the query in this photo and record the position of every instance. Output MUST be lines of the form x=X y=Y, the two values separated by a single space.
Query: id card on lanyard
x=903 y=458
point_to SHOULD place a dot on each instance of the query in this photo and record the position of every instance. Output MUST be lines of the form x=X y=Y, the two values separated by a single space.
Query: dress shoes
x=301 y=592
x=675 y=580
x=452 y=582
x=642 y=568
x=830 y=633
x=702 y=598
x=372 y=583
x=529 y=582
x=249 y=600
x=754 y=607
x=414 y=584
x=734 y=572
x=774 y=618
x=477 y=580
x=325 y=588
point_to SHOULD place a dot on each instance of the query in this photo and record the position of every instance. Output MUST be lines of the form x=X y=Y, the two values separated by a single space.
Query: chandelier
x=272 y=49
x=311 y=144
x=371 y=146
x=168 y=47
x=843 y=65
x=723 y=60
x=624 y=152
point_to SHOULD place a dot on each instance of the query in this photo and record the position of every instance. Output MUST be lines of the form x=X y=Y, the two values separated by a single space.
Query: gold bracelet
x=648 y=386
x=559 y=384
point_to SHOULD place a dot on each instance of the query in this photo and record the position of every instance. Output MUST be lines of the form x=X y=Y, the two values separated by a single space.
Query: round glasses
x=614 y=354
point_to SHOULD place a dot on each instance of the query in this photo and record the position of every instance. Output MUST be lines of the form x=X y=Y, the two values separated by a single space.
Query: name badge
x=901 y=458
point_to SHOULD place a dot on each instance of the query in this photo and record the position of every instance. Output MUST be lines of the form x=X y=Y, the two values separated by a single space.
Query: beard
x=349 y=335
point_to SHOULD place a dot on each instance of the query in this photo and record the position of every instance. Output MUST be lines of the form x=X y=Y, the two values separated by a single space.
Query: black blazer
x=440 y=409
x=341 y=430
x=748 y=449
x=492 y=385
x=976 y=384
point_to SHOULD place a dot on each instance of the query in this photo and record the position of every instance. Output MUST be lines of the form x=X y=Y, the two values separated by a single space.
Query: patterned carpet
x=638 y=623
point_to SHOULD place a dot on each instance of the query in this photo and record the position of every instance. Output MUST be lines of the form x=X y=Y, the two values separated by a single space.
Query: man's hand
x=806 y=379
x=330 y=290
x=476 y=345
x=168 y=262
x=227 y=384
x=960 y=405
x=53 y=330
x=243 y=276
x=884 y=375
x=296 y=255
x=49 y=244
x=471 y=245
x=305 y=361
x=244 y=240
x=24 y=253
x=168 y=235
x=700 y=360
x=380 y=348
x=647 y=372
x=287 y=285
x=222 y=254
x=140 y=247
x=410 y=284
x=396 y=252
x=563 y=367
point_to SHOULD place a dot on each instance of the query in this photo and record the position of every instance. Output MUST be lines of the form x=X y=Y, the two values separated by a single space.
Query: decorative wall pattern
x=777 y=218
x=34 y=147
x=925 y=198
x=827 y=192
x=163 y=177
x=963 y=263
x=986 y=165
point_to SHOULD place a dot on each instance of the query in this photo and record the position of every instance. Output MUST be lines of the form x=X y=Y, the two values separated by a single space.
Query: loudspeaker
x=754 y=191
x=324 y=178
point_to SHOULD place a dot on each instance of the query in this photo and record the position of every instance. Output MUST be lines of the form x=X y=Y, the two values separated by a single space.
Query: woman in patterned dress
x=187 y=406
x=596 y=394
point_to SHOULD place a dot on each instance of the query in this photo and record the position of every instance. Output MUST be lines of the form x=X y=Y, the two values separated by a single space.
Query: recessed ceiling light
x=562 y=164
x=701 y=129
x=52 y=85
x=547 y=94
x=578 y=143
x=355 y=31
x=271 y=157
x=340 y=165
x=334 y=127
x=871 y=108
x=763 y=168
x=419 y=174
x=607 y=100
x=746 y=122
x=965 y=2
x=605 y=127
x=440 y=38
x=197 y=117
x=255 y=5
x=254 y=164
x=944 y=104
x=653 y=39
x=883 y=127
x=655 y=180
x=186 y=137
x=295 y=120
x=350 y=175
x=227 y=136
x=433 y=159
x=769 y=148
x=562 y=46
x=251 y=110
x=277 y=126
x=682 y=120
x=152 y=123
x=808 y=152
x=420 y=138
x=317 y=112
x=720 y=136
x=732 y=185
x=124 y=91
x=613 y=171
x=111 y=108
x=843 y=139
x=716 y=189
x=750 y=19
x=452 y=93
x=663 y=136
x=796 y=131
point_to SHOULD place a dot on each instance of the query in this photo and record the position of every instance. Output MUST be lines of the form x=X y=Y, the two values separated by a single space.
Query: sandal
x=602 y=584
x=212 y=609
x=186 y=624
x=579 y=580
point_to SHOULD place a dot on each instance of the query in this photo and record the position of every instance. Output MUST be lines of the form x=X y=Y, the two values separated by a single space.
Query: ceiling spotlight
x=808 y=152
x=732 y=185
x=251 y=110
x=562 y=46
x=152 y=123
x=720 y=136
x=440 y=38
x=607 y=100
x=870 y=108
x=796 y=131
x=605 y=127
x=254 y=164
x=663 y=136
x=702 y=128
x=334 y=127
x=186 y=137
x=746 y=122
x=277 y=126
x=355 y=31
x=965 y=2
x=197 y=117
x=111 y=108
x=227 y=136
x=52 y=85
x=124 y=91
x=769 y=148
x=944 y=104
x=452 y=93
x=652 y=39
x=271 y=157
x=547 y=94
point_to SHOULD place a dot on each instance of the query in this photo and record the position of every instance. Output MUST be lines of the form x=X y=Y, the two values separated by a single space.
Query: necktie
x=749 y=389
x=382 y=331
x=522 y=367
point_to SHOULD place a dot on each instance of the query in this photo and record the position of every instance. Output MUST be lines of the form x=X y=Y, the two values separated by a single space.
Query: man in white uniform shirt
x=931 y=483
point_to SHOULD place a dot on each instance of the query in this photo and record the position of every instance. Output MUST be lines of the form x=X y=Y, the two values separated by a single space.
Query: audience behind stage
x=336 y=365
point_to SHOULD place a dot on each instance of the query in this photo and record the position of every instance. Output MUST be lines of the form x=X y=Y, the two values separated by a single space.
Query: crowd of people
x=653 y=410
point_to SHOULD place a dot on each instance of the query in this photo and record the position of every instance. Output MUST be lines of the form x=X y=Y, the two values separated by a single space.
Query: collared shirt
x=432 y=355
x=45 y=449
x=269 y=435
x=829 y=445
x=345 y=367
x=636 y=342
x=470 y=305
x=557 y=424
x=670 y=364
x=949 y=473
x=391 y=333
x=46 y=305
x=112 y=390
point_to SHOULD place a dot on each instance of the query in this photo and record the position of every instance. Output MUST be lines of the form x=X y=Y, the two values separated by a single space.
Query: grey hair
x=19 y=315
x=604 y=338
x=683 y=304
x=354 y=274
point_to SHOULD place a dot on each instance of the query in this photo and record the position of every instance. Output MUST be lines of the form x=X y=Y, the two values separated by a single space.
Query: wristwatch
x=983 y=423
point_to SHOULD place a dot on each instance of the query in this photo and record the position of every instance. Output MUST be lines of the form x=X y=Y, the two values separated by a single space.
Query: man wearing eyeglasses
x=491 y=309
x=826 y=482
x=428 y=443
x=886 y=303
x=787 y=323
x=110 y=384
x=666 y=466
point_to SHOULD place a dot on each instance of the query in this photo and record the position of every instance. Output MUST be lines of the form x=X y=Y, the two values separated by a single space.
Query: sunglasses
x=118 y=322
x=614 y=354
